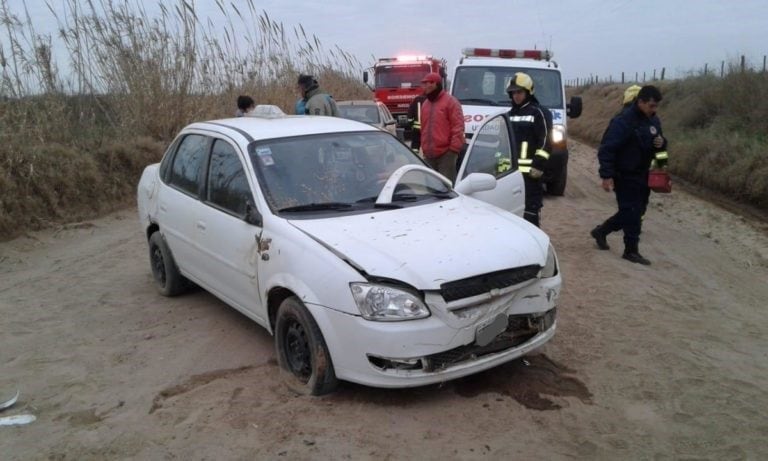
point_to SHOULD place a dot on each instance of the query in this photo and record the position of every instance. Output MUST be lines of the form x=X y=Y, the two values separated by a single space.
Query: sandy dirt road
x=661 y=362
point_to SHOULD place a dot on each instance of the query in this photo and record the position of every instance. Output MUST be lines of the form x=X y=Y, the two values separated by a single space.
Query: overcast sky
x=588 y=37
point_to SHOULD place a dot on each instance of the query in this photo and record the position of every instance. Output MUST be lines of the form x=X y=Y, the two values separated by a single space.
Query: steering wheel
x=385 y=196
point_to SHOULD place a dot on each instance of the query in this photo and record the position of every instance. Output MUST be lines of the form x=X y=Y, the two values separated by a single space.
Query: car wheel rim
x=158 y=265
x=297 y=351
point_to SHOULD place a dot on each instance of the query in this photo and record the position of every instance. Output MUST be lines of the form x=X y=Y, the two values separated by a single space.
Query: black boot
x=599 y=234
x=632 y=254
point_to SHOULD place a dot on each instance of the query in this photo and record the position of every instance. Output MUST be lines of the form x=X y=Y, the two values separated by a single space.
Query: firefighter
x=531 y=124
x=414 y=117
x=632 y=141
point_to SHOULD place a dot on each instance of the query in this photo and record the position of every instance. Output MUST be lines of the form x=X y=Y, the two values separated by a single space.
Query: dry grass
x=716 y=129
x=74 y=141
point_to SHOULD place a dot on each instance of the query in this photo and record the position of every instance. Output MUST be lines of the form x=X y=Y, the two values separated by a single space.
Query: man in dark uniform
x=632 y=141
x=531 y=124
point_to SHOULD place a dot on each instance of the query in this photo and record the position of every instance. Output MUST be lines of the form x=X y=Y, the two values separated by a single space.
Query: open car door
x=492 y=151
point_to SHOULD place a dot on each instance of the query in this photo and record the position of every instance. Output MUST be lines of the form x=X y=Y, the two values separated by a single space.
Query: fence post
x=742 y=63
x=763 y=63
x=662 y=73
x=643 y=76
x=654 y=74
x=722 y=68
x=622 y=77
x=636 y=80
x=705 y=69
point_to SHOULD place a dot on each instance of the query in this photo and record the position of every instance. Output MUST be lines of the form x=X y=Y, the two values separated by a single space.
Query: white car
x=365 y=264
x=372 y=112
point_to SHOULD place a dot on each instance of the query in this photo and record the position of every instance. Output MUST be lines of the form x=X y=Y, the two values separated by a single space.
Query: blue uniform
x=625 y=155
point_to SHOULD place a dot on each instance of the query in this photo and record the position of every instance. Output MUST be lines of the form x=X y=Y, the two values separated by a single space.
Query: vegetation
x=77 y=131
x=716 y=129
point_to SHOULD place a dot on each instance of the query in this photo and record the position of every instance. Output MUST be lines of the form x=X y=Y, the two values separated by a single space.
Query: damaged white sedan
x=366 y=265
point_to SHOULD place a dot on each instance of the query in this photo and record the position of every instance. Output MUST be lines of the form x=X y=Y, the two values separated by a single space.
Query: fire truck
x=397 y=81
x=480 y=81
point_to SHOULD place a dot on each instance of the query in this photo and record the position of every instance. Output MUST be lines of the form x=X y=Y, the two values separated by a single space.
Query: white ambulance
x=480 y=81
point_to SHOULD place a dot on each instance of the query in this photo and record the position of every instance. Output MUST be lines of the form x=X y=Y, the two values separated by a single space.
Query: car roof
x=359 y=102
x=254 y=128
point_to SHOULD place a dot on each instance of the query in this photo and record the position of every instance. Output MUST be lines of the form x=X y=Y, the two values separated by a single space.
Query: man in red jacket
x=442 y=127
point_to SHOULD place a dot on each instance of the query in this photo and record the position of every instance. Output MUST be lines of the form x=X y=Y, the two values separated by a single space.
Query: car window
x=188 y=163
x=347 y=168
x=492 y=151
x=227 y=184
x=360 y=113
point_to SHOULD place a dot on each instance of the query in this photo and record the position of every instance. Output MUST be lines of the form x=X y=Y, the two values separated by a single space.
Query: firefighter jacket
x=442 y=125
x=531 y=124
x=627 y=145
x=320 y=103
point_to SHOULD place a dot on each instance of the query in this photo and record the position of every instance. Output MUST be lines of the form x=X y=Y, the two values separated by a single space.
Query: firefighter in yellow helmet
x=531 y=124
x=630 y=94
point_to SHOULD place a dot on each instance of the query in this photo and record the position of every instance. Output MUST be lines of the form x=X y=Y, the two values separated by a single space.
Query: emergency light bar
x=406 y=58
x=541 y=55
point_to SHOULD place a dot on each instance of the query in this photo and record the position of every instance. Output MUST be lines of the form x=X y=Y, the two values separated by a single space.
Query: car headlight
x=386 y=303
x=550 y=268
x=558 y=134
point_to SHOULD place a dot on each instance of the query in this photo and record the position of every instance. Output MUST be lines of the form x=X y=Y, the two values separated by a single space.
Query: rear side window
x=227 y=184
x=188 y=163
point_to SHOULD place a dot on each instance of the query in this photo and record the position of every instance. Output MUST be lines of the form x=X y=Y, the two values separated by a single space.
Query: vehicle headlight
x=550 y=268
x=558 y=134
x=386 y=303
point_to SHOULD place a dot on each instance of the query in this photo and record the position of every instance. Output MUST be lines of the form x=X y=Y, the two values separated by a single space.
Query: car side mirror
x=390 y=122
x=252 y=215
x=574 y=107
x=476 y=182
x=365 y=76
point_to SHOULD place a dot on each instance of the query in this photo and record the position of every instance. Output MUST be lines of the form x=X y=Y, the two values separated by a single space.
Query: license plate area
x=488 y=332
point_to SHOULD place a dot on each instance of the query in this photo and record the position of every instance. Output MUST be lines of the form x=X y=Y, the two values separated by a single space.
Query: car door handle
x=200 y=225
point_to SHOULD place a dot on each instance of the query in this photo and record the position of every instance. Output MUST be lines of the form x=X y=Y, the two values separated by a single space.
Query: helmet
x=521 y=81
x=630 y=94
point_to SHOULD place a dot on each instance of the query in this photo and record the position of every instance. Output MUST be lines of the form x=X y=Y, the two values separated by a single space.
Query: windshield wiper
x=479 y=100
x=378 y=205
x=421 y=196
x=317 y=207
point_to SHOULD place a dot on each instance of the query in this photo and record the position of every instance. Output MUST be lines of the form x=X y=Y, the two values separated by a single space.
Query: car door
x=387 y=120
x=178 y=202
x=227 y=240
x=492 y=151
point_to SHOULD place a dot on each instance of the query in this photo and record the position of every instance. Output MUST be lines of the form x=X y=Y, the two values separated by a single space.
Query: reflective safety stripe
x=417 y=125
x=524 y=169
x=542 y=153
x=524 y=149
x=663 y=155
x=521 y=118
x=525 y=161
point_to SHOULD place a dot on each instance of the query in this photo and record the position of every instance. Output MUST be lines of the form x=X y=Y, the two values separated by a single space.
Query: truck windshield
x=486 y=86
x=397 y=76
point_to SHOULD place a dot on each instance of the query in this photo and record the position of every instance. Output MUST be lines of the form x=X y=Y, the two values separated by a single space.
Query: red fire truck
x=397 y=81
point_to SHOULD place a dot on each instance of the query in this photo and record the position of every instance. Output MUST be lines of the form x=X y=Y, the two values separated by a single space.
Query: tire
x=304 y=360
x=168 y=279
x=557 y=185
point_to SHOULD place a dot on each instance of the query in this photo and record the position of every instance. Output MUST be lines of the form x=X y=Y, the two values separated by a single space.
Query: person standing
x=245 y=104
x=317 y=101
x=442 y=127
x=414 y=116
x=631 y=143
x=531 y=124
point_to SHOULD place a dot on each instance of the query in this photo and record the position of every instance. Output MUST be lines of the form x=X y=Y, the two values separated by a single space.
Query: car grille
x=473 y=286
x=520 y=328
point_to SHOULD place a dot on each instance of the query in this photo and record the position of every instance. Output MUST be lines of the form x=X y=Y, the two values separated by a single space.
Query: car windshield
x=366 y=113
x=487 y=86
x=396 y=76
x=339 y=173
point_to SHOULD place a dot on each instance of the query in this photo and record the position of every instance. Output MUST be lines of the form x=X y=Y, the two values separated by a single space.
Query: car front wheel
x=304 y=360
x=169 y=280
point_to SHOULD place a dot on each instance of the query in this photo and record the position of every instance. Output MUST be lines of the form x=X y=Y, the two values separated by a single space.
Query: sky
x=588 y=37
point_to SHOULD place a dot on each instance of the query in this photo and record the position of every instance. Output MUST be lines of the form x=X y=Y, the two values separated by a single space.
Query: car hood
x=431 y=244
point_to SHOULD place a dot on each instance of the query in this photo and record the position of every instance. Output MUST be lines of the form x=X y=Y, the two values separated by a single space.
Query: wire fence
x=726 y=68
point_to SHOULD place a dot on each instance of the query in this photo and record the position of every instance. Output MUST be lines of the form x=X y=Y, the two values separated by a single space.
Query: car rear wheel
x=168 y=279
x=304 y=360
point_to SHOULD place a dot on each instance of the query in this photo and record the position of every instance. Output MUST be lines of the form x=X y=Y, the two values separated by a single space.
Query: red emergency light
x=541 y=55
